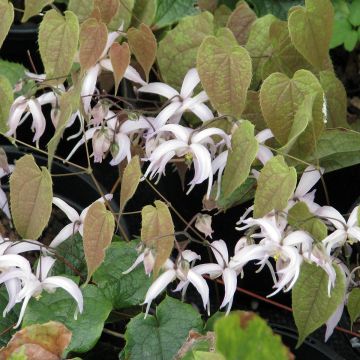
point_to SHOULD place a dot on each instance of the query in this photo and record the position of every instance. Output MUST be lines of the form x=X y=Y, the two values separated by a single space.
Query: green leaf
x=202 y=355
x=123 y=290
x=58 y=42
x=60 y=306
x=300 y=217
x=336 y=99
x=336 y=149
x=284 y=57
x=195 y=344
x=244 y=335
x=99 y=227
x=157 y=232
x=144 y=12
x=30 y=197
x=351 y=40
x=170 y=11
x=353 y=304
x=130 y=181
x=252 y=111
x=12 y=71
x=34 y=7
x=6 y=18
x=244 y=148
x=341 y=29
x=7 y=99
x=71 y=258
x=259 y=46
x=311 y=31
x=69 y=101
x=178 y=49
x=225 y=71
x=354 y=13
x=123 y=15
x=312 y=306
x=240 y=22
x=160 y=337
x=82 y=8
x=269 y=195
x=280 y=98
x=221 y=16
x=7 y=322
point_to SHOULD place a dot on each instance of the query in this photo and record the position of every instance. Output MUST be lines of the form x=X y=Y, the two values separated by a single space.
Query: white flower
x=181 y=270
x=18 y=108
x=188 y=143
x=77 y=220
x=180 y=102
x=147 y=257
x=345 y=230
x=101 y=142
x=29 y=285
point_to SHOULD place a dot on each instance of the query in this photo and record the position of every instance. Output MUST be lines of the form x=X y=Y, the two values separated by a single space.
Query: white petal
x=213 y=270
x=13 y=287
x=87 y=136
x=68 y=285
x=200 y=136
x=264 y=154
x=202 y=112
x=230 y=282
x=69 y=211
x=89 y=86
x=24 y=246
x=334 y=320
x=191 y=79
x=335 y=240
x=12 y=260
x=190 y=256
x=160 y=89
x=352 y=221
x=331 y=214
x=132 y=75
x=264 y=135
x=158 y=286
x=220 y=251
x=180 y=132
x=4 y=205
x=22 y=311
x=307 y=181
x=45 y=264
x=166 y=113
x=138 y=261
x=124 y=152
x=200 y=285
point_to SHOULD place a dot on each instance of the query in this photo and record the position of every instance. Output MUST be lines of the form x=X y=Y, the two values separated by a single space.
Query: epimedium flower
x=345 y=231
x=20 y=106
x=182 y=101
x=203 y=224
x=32 y=285
x=146 y=256
x=77 y=220
x=179 y=270
x=191 y=144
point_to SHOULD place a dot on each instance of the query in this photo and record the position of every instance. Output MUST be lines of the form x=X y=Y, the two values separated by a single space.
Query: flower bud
x=101 y=144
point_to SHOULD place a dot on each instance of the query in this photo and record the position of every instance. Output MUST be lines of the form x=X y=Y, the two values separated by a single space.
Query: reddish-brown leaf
x=143 y=45
x=108 y=9
x=93 y=38
x=120 y=60
x=99 y=226
x=39 y=342
x=240 y=22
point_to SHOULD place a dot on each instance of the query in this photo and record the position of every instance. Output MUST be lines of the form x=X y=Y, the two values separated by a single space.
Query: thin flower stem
x=7 y=330
x=70 y=174
x=113 y=333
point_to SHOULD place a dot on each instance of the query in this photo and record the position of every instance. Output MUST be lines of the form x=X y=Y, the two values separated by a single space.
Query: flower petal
x=230 y=282
x=132 y=75
x=200 y=285
x=159 y=89
x=191 y=79
x=220 y=252
x=308 y=180
x=69 y=211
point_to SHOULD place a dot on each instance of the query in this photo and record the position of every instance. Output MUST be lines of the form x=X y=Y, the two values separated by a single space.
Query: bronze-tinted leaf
x=240 y=22
x=6 y=18
x=157 y=232
x=143 y=45
x=93 y=38
x=225 y=71
x=30 y=197
x=38 y=342
x=120 y=60
x=130 y=181
x=108 y=9
x=311 y=31
x=99 y=226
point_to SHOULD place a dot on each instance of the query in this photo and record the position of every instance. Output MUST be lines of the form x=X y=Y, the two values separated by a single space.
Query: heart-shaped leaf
x=30 y=197
x=6 y=18
x=311 y=31
x=225 y=72
x=93 y=39
x=122 y=18
x=33 y=7
x=353 y=304
x=143 y=45
x=7 y=98
x=58 y=43
x=99 y=226
x=311 y=304
x=269 y=195
x=108 y=9
x=82 y=8
x=120 y=59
